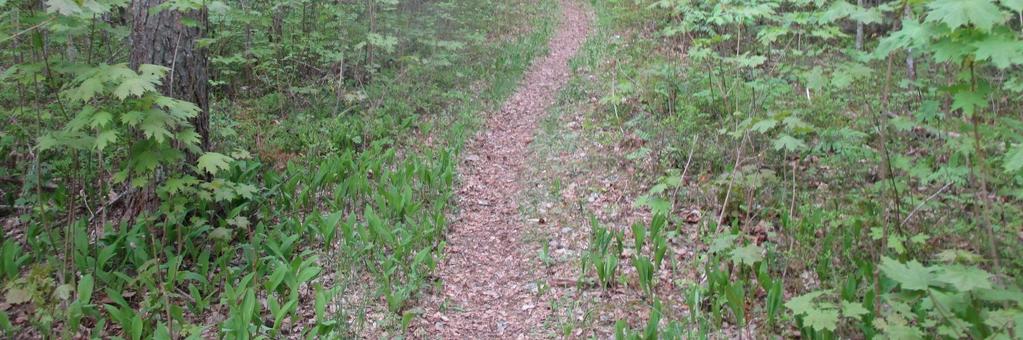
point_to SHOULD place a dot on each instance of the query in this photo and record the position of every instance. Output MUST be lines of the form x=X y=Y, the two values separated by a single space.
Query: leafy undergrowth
x=793 y=184
x=317 y=213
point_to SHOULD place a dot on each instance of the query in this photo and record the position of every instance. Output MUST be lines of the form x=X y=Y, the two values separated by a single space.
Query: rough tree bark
x=162 y=38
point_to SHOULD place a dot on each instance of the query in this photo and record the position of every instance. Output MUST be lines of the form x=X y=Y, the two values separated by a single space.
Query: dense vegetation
x=195 y=169
x=285 y=169
x=848 y=169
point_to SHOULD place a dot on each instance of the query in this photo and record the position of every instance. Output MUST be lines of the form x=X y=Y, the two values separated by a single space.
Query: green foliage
x=124 y=224
x=820 y=159
x=604 y=252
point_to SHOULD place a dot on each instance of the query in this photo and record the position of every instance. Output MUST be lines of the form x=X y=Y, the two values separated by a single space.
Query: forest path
x=489 y=274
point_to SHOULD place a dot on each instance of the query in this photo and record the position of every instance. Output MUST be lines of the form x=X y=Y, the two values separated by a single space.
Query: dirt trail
x=488 y=272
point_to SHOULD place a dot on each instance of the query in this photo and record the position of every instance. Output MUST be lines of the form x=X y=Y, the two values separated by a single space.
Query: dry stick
x=15 y=35
x=986 y=199
x=935 y=194
x=685 y=170
x=792 y=204
x=886 y=172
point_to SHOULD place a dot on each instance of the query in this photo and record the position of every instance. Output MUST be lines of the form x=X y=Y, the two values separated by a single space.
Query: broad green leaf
x=853 y=309
x=245 y=190
x=85 y=286
x=764 y=125
x=968 y=101
x=912 y=275
x=88 y=89
x=46 y=142
x=133 y=118
x=213 y=162
x=101 y=119
x=1002 y=50
x=949 y=50
x=965 y=278
x=913 y=34
x=722 y=242
x=748 y=255
x=983 y=14
x=820 y=320
x=788 y=143
x=958 y=256
x=190 y=137
x=1013 y=160
x=133 y=84
x=155 y=126
x=804 y=303
x=178 y=184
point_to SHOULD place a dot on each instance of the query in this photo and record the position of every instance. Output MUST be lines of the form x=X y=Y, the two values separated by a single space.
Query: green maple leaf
x=912 y=275
x=722 y=242
x=853 y=309
x=764 y=125
x=968 y=101
x=155 y=126
x=788 y=143
x=101 y=119
x=749 y=254
x=133 y=86
x=87 y=89
x=656 y=204
x=246 y=190
x=178 y=108
x=803 y=304
x=46 y=142
x=118 y=72
x=213 y=162
x=105 y=138
x=1003 y=51
x=133 y=118
x=983 y=14
x=913 y=34
x=1013 y=160
x=965 y=278
x=146 y=160
x=825 y=319
x=178 y=184
x=188 y=137
x=948 y=50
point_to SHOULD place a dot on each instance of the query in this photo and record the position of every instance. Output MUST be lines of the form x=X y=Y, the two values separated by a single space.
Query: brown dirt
x=487 y=271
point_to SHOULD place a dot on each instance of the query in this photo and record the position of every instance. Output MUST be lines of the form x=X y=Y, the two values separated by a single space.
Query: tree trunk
x=859 y=29
x=161 y=38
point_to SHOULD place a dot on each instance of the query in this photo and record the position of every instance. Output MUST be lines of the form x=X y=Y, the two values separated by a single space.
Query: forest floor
x=490 y=271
